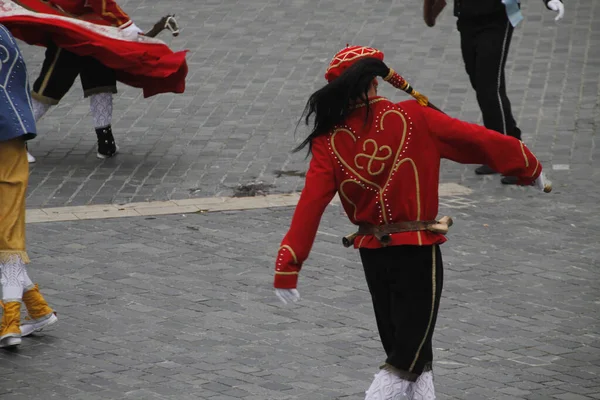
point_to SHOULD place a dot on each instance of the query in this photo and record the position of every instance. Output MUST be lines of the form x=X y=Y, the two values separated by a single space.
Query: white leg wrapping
x=27 y=283
x=387 y=386
x=101 y=105
x=423 y=387
x=13 y=279
x=39 y=109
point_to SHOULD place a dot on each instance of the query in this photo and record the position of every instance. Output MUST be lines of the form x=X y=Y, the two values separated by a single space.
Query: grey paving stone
x=178 y=307
x=160 y=325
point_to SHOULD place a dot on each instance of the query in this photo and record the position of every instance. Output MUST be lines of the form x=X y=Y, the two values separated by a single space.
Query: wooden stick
x=442 y=226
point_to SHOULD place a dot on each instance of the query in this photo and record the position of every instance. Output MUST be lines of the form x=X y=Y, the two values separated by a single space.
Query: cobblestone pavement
x=181 y=307
x=253 y=65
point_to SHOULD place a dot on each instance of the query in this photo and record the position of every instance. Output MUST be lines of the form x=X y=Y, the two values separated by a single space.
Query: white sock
x=423 y=387
x=39 y=109
x=387 y=386
x=101 y=105
x=13 y=279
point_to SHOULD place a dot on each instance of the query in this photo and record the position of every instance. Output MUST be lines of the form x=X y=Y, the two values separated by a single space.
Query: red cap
x=348 y=56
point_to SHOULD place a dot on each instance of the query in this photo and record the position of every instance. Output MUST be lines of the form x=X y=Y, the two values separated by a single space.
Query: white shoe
x=30 y=326
x=30 y=158
x=10 y=341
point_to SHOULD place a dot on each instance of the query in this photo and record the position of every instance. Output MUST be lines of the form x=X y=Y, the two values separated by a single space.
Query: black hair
x=332 y=104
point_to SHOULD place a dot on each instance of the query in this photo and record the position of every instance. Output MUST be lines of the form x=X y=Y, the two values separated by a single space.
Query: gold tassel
x=421 y=99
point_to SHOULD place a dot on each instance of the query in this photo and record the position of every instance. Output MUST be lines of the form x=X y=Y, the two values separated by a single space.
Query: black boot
x=484 y=170
x=106 y=143
x=509 y=180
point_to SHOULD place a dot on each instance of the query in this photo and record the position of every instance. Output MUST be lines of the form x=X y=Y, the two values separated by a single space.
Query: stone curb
x=207 y=204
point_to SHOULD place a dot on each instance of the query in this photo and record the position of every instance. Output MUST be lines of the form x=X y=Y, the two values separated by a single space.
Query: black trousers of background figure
x=485 y=42
x=405 y=283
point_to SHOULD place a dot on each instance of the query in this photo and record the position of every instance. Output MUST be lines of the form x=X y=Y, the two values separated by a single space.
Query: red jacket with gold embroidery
x=387 y=171
x=102 y=12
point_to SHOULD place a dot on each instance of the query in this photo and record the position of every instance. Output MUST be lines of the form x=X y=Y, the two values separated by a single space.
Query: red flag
x=141 y=62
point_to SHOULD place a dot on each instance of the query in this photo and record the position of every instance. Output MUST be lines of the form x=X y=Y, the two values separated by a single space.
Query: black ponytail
x=332 y=104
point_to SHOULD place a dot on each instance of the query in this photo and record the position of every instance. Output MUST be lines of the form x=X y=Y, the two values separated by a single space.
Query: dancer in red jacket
x=383 y=159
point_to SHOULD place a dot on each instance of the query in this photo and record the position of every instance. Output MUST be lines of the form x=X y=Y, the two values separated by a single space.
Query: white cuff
x=126 y=24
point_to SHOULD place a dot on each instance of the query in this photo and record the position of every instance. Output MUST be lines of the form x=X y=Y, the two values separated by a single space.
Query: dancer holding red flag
x=383 y=159
x=97 y=41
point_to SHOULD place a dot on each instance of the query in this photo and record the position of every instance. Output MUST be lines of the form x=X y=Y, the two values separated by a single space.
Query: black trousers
x=485 y=42
x=406 y=285
x=60 y=69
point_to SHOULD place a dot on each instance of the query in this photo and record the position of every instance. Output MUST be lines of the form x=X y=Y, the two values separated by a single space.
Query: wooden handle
x=447 y=221
x=442 y=226
x=161 y=25
x=348 y=240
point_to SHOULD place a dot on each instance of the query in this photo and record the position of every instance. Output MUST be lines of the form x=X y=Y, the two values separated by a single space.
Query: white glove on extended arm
x=287 y=295
x=558 y=6
x=132 y=31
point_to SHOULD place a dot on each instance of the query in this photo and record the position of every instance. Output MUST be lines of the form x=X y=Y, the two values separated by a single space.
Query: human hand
x=431 y=10
x=287 y=295
x=558 y=6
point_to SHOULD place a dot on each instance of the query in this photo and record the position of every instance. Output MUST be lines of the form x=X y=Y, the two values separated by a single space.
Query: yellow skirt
x=14 y=176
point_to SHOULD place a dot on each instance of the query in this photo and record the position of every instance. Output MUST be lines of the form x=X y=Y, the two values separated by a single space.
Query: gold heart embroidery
x=397 y=162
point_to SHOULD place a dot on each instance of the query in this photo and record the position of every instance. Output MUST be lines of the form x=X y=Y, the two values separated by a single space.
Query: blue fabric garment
x=513 y=11
x=16 y=115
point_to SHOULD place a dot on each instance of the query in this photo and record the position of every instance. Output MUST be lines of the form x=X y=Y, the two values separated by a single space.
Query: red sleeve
x=110 y=11
x=319 y=189
x=467 y=143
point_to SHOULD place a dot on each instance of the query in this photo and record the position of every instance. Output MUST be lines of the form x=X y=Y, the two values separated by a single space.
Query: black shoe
x=509 y=180
x=484 y=170
x=106 y=143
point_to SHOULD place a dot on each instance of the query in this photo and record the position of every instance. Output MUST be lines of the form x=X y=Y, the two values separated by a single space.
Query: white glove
x=543 y=184
x=287 y=295
x=558 y=6
x=132 y=31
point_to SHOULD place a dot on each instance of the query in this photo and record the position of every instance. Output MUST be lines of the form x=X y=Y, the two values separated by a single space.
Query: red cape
x=145 y=63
